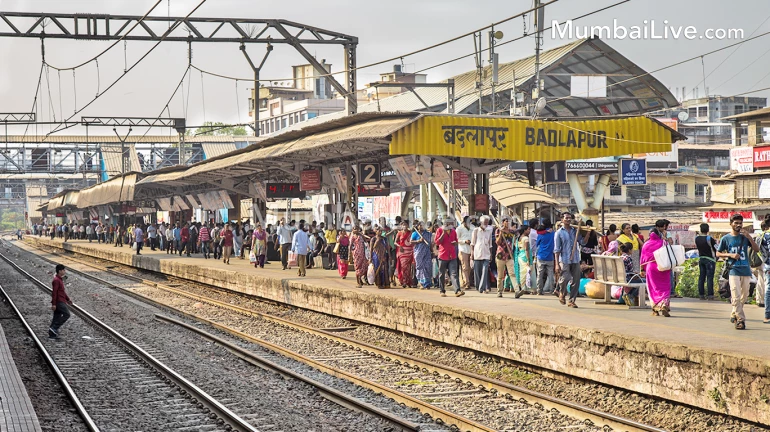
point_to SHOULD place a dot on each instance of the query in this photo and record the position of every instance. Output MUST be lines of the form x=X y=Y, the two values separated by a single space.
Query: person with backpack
x=706 y=262
x=735 y=248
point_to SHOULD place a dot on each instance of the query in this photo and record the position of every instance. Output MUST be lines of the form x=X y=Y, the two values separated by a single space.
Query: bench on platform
x=610 y=271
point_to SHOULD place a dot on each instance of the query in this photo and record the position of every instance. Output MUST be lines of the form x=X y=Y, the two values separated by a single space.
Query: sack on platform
x=252 y=257
x=292 y=258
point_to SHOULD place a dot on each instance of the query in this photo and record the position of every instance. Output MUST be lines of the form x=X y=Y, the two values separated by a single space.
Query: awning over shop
x=521 y=139
x=514 y=192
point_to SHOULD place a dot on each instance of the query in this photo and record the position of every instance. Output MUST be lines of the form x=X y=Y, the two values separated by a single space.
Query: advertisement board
x=761 y=156
x=742 y=159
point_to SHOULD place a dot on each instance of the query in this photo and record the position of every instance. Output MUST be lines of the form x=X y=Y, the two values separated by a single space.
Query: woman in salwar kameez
x=405 y=256
x=360 y=263
x=658 y=281
x=379 y=250
x=343 y=248
x=421 y=239
x=259 y=246
x=523 y=258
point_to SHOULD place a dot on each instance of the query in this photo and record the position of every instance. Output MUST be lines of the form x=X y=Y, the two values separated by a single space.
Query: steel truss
x=180 y=29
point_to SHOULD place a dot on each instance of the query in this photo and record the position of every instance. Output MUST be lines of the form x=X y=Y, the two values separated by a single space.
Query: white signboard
x=339 y=178
x=764 y=189
x=742 y=159
x=411 y=173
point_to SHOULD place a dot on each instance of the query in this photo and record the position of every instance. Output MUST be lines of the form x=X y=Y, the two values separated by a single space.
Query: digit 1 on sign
x=555 y=172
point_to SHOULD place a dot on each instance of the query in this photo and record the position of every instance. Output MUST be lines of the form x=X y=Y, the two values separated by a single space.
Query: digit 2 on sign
x=369 y=173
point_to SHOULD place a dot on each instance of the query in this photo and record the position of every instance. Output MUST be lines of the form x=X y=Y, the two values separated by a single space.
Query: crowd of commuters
x=534 y=258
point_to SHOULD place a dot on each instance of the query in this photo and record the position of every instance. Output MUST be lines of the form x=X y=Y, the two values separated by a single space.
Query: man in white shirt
x=464 y=233
x=481 y=252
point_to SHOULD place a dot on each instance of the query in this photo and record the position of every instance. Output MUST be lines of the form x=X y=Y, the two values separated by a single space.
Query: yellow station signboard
x=518 y=139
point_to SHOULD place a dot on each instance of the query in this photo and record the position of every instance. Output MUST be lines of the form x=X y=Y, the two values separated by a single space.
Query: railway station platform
x=692 y=357
x=16 y=411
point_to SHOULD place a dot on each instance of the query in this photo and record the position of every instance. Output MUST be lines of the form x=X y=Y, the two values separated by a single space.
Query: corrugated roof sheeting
x=372 y=129
x=113 y=162
x=112 y=139
x=424 y=137
x=590 y=56
x=217 y=149
x=465 y=85
x=513 y=192
x=118 y=189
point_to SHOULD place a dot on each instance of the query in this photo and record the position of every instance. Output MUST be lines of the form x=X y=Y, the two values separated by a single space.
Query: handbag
x=336 y=248
x=668 y=256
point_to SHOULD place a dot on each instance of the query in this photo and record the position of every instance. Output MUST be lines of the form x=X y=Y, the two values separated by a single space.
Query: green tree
x=219 y=128
x=11 y=219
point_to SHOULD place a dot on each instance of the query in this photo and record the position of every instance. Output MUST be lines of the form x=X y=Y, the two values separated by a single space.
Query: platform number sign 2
x=555 y=172
x=369 y=173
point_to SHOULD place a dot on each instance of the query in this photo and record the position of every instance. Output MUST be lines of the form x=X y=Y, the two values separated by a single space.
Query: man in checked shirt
x=59 y=302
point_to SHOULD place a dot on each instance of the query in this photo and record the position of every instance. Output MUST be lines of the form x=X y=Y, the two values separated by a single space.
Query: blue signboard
x=633 y=172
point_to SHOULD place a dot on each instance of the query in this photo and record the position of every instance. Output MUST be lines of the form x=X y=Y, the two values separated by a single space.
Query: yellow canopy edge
x=520 y=139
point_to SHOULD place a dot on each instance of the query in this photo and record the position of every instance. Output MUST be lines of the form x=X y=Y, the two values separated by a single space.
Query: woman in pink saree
x=658 y=281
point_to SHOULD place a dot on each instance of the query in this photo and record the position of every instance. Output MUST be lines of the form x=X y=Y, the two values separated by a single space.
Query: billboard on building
x=742 y=159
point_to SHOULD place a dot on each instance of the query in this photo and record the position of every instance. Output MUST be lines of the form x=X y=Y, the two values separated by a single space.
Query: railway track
x=455 y=397
x=143 y=394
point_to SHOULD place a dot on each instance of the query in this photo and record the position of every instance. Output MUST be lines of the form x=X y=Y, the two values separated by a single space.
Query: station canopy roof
x=510 y=192
x=631 y=89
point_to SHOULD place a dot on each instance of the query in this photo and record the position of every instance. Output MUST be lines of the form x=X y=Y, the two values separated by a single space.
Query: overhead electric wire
x=138 y=22
x=34 y=100
x=475 y=52
x=402 y=56
x=727 y=58
x=129 y=69
x=166 y=107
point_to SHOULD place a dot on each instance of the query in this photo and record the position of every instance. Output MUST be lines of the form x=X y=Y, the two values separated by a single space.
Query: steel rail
x=586 y=414
x=328 y=392
x=90 y=424
x=230 y=418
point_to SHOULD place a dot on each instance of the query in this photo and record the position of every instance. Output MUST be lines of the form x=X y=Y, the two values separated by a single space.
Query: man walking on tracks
x=59 y=302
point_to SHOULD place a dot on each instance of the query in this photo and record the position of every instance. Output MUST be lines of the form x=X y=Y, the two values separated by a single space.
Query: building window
x=753 y=108
x=283 y=123
x=738 y=109
x=703 y=111
x=616 y=190
x=700 y=190
x=693 y=112
x=657 y=189
x=680 y=189
x=304 y=116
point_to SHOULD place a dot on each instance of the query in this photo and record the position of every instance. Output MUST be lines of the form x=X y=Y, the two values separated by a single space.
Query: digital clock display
x=284 y=190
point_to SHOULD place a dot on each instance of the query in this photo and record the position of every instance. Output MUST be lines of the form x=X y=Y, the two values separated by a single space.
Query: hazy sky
x=385 y=29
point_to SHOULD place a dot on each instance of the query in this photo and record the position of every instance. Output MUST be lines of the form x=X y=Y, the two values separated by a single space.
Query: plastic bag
x=617 y=291
x=252 y=257
x=370 y=274
x=292 y=258
x=435 y=268
x=133 y=245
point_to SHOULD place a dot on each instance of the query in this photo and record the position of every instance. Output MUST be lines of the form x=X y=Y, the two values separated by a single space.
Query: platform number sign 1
x=555 y=172
x=369 y=173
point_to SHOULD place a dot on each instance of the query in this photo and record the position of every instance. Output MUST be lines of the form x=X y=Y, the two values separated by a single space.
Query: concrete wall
x=673 y=372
